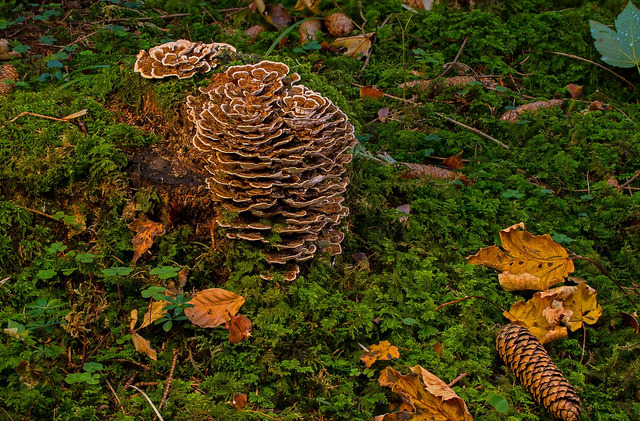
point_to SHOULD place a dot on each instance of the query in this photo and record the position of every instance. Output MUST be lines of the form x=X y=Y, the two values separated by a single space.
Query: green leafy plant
x=45 y=314
x=620 y=48
x=88 y=376
x=174 y=311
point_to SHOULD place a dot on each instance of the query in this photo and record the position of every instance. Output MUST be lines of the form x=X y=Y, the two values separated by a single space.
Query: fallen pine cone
x=528 y=360
x=9 y=74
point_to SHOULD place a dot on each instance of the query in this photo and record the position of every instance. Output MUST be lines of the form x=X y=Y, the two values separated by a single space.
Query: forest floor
x=468 y=120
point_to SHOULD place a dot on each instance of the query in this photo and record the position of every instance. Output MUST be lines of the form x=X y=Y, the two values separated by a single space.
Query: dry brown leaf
x=534 y=314
x=512 y=115
x=154 y=312
x=134 y=319
x=371 y=91
x=382 y=351
x=146 y=230
x=239 y=401
x=383 y=113
x=438 y=347
x=629 y=320
x=277 y=16
x=454 y=161
x=528 y=262
x=357 y=46
x=213 y=307
x=143 y=346
x=431 y=398
x=415 y=171
x=574 y=90
x=312 y=5
x=419 y=4
x=598 y=106
x=239 y=327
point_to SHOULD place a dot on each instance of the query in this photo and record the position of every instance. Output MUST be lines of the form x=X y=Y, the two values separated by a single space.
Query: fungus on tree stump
x=276 y=153
x=181 y=58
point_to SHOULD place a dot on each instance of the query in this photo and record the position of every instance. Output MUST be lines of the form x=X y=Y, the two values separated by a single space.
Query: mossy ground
x=66 y=184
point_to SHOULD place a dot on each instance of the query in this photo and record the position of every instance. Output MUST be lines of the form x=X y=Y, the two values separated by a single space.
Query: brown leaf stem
x=473 y=129
x=593 y=62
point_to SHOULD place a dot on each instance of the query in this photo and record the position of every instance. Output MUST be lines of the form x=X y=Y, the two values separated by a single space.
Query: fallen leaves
x=382 y=351
x=416 y=171
x=356 y=46
x=371 y=92
x=431 y=398
x=213 y=307
x=143 y=346
x=146 y=230
x=239 y=327
x=527 y=262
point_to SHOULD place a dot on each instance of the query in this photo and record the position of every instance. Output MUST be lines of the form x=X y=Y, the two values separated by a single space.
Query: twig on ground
x=22 y=114
x=148 y=400
x=170 y=378
x=176 y=15
x=593 y=62
x=629 y=181
x=131 y=379
x=116 y=396
x=457 y=379
x=455 y=60
x=473 y=129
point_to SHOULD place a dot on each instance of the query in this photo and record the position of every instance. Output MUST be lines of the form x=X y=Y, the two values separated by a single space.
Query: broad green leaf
x=620 y=48
x=499 y=403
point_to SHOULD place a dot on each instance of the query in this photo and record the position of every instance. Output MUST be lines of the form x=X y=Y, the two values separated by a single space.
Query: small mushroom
x=276 y=155
x=181 y=58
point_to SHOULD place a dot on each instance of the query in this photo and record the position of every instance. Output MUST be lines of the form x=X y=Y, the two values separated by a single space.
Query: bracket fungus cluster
x=276 y=153
x=181 y=58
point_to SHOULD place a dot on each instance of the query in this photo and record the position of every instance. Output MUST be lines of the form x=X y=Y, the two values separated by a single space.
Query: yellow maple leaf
x=584 y=305
x=382 y=351
x=540 y=316
x=528 y=262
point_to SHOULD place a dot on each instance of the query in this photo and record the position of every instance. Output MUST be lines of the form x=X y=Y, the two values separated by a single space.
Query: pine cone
x=8 y=73
x=528 y=360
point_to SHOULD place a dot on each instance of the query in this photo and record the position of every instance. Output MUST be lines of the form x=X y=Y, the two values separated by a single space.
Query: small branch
x=473 y=129
x=116 y=396
x=177 y=15
x=629 y=181
x=170 y=378
x=38 y=115
x=592 y=62
x=148 y=400
x=455 y=60
x=605 y=273
x=131 y=379
x=457 y=379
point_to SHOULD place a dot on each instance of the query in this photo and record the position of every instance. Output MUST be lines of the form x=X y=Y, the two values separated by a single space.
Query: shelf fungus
x=181 y=58
x=276 y=153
